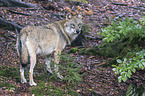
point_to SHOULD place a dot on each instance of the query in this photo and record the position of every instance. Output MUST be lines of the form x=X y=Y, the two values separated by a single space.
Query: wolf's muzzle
x=78 y=31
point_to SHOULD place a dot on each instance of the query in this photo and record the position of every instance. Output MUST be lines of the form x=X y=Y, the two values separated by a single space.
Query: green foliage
x=128 y=28
x=128 y=31
x=86 y=28
x=133 y=90
x=127 y=66
x=70 y=69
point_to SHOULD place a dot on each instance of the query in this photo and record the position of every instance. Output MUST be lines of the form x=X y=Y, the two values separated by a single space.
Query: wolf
x=45 y=40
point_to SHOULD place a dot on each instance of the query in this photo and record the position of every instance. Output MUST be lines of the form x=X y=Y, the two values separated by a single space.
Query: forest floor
x=99 y=79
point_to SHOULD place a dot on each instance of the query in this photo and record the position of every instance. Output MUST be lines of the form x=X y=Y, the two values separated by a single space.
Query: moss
x=48 y=89
x=74 y=50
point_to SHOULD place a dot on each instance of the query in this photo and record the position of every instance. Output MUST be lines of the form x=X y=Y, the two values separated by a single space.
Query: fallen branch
x=15 y=3
x=138 y=8
x=121 y=4
x=100 y=64
x=134 y=7
x=10 y=25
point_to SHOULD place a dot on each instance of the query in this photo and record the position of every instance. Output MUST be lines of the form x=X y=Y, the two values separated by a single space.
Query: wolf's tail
x=22 y=51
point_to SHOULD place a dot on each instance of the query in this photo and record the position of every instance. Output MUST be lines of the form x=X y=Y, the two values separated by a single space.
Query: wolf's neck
x=64 y=33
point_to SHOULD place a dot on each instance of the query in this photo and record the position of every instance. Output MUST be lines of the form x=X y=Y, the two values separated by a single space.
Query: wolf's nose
x=78 y=31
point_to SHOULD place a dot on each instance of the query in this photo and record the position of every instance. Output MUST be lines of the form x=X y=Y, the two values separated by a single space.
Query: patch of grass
x=6 y=84
x=10 y=72
x=51 y=89
x=7 y=75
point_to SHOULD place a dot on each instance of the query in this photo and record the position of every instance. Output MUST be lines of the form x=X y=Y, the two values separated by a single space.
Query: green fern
x=69 y=68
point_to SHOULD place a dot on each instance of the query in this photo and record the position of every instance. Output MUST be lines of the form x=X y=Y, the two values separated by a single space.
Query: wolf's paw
x=32 y=83
x=23 y=81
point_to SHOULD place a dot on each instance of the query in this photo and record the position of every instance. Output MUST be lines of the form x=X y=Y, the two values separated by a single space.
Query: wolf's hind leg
x=47 y=62
x=23 y=80
x=32 y=53
x=32 y=65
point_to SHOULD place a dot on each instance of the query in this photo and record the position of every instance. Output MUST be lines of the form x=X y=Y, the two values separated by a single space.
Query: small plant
x=131 y=33
x=69 y=68
x=86 y=28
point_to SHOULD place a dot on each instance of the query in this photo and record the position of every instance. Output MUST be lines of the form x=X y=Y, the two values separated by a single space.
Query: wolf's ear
x=68 y=16
x=80 y=15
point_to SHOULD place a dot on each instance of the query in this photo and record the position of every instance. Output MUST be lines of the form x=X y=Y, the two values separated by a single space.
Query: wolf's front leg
x=47 y=62
x=32 y=65
x=57 y=54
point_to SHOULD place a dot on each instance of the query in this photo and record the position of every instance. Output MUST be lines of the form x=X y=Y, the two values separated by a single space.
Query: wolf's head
x=73 y=25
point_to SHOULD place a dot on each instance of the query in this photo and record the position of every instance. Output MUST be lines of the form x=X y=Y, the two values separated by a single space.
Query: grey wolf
x=44 y=40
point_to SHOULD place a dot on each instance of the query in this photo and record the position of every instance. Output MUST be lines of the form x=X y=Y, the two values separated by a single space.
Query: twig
x=101 y=64
x=19 y=13
x=135 y=7
x=90 y=72
x=121 y=4
x=6 y=47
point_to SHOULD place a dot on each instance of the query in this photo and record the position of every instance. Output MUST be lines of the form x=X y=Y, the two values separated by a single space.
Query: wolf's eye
x=72 y=25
